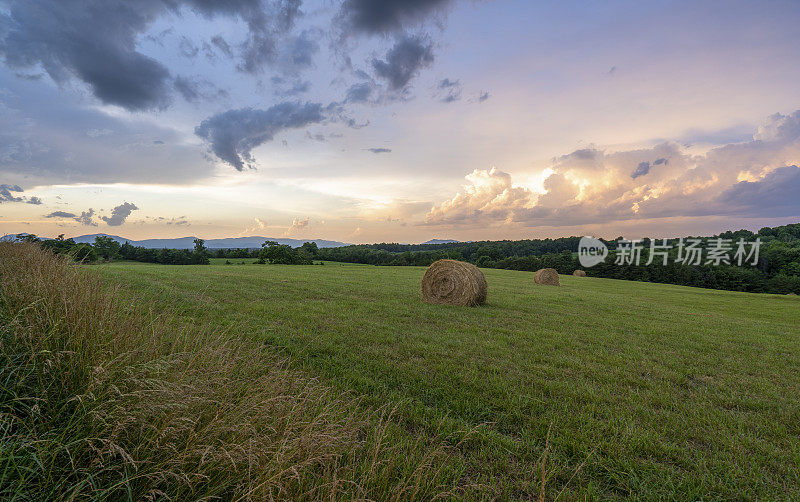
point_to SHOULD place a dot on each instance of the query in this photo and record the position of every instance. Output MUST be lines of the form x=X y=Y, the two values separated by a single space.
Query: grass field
x=598 y=389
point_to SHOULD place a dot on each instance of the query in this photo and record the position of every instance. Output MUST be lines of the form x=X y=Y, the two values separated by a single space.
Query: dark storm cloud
x=776 y=194
x=232 y=135
x=379 y=150
x=95 y=42
x=383 y=16
x=35 y=201
x=403 y=61
x=642 y=169
x=119 y=214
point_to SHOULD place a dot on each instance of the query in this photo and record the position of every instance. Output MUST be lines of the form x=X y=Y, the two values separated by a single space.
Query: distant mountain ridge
x=188 y=242
x=441 y=241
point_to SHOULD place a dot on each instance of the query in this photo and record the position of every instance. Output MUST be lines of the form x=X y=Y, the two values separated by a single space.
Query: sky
x=398 y=120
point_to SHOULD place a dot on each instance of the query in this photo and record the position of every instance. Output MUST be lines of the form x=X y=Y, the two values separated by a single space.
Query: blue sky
x=369 y=121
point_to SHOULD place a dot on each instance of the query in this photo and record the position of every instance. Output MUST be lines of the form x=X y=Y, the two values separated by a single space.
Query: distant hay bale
x=451 y=282
x=546 y=276
x=579 y=273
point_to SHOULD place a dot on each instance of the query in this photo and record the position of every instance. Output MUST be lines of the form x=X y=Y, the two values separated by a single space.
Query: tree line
x=776 y=271
x=107 y=249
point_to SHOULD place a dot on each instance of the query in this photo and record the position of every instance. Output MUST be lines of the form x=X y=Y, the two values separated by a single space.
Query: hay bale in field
x=452 y=282
x=546 y=276
x=579 y=273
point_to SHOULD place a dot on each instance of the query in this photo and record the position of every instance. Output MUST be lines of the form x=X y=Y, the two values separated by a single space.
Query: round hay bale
x=452 y=282
x=579 y=273
x=546 y=276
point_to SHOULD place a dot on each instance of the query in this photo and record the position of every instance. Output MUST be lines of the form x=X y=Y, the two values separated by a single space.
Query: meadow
x=598 y=388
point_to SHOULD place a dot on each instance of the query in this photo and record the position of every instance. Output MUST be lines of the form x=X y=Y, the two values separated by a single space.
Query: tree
x=281 y=254
x=83 y=252
x=59 y=245
x=28 y=238
x=106 y=247
x=200 y=254
x=309 y=249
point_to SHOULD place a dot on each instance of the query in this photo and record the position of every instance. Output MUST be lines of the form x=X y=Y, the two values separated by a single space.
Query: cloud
x=384 y=16
x=197 y=89
x=316 y=137
x=85 y=218
x=297 y=87
x=404 y=61
x=188 y=48
x=480 y=97
x=642 y=169
x=757 y=178
x=180 y=221
x=379 y=150
x=298 y=52
x=46 y=139
x=232 y=135
x=297 y=226
x=99 y=133
x=777 y=191
x=119 y=214
x=259 y=225
x=221 y=44
x=489 y=194
x=265 y=30
x=54 y=34
x=359 y=93
x=448 y=90
x=7 y=196
x=60 y=214
x=96 y=42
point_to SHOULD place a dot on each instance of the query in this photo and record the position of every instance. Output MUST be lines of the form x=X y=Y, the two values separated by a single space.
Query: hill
x=440 y=241
x=252 y=242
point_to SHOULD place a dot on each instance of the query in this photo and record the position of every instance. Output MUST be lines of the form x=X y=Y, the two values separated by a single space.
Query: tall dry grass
x=104 y=398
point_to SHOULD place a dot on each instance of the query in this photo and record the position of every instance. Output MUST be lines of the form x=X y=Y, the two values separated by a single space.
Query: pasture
x=595 y=389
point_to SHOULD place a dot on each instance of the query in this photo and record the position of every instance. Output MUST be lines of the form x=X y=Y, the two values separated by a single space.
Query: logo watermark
x=591 y=251
x=690 y=251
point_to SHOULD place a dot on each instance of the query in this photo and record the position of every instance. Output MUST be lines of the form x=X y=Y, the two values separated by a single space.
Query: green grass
x=605 y=388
